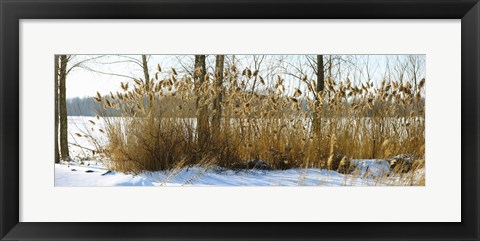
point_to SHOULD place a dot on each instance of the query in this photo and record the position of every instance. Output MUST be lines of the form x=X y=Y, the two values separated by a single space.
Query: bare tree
x=202 y=118
x=64 y=64
x=64 y=153
x=57 y=154
x=257 y=60
x=415 y=63
x=99 y=60
x=317 y=122
x=400 y=69
x=145 y=71
x=320 y=74
x=219 y=63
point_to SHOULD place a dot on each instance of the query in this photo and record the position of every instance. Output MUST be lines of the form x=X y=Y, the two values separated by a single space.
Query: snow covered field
x=84 y=171
x=370 y=173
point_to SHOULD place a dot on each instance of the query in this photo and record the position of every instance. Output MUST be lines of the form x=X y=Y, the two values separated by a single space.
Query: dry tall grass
x=157 y=131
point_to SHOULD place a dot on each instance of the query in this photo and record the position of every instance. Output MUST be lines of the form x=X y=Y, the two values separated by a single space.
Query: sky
x=105 y=73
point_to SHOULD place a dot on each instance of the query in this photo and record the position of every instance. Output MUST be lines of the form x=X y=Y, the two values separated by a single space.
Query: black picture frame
x=12 y=11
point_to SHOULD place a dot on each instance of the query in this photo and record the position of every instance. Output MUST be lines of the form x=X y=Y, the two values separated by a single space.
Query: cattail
x=247 y=72
x=138 y=82
x=150 y=96
x=98 y=97
x=78 y=134
x=174 y=72
x=387 y=87
x=422 y=83
x=93 y=122
x=304 y=77
x=137 y=91
x=327 y=84
x=159 y=68
x=279 y=80
x=124 y=86
x=365 y=88
x=418 y=96
x=157 y=87
x=255 y=73
x=395 y=85
x=297 y=93
x=408 y=85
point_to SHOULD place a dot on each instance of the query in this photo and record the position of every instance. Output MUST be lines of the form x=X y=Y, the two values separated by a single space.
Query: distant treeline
x=87 y=106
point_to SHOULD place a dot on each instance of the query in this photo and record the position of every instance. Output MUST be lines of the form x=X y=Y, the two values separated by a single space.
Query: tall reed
x=159 y=128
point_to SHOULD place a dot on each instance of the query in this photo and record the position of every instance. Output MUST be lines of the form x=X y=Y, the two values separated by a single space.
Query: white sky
x=83 y=82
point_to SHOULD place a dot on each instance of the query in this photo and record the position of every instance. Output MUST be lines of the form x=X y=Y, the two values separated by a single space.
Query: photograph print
x=239 y=120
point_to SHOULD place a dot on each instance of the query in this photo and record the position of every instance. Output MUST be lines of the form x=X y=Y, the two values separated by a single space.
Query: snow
x=76 y=175
x=96 y=175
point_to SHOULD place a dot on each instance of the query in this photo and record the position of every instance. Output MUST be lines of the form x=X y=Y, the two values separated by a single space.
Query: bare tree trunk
x=330 y=64
x=64 y=153
x=147 y=79
x=57 y=154
x=145 y=71
x=320 y=74
x=219 y=63
x=202 y=118
x=317 y=118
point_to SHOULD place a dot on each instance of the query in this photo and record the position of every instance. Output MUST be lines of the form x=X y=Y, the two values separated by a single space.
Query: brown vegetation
x=273 y=125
